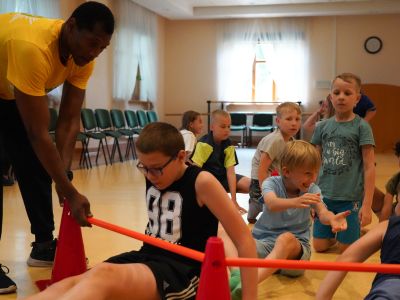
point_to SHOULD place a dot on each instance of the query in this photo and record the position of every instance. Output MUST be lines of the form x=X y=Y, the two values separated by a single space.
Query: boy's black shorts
x=175 y=280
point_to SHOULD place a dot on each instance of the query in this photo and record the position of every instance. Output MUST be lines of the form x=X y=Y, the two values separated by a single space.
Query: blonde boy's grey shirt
x=341 y=176
x=273 y=144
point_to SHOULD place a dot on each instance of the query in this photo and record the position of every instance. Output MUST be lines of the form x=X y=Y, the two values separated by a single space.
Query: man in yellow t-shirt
x=36 y=55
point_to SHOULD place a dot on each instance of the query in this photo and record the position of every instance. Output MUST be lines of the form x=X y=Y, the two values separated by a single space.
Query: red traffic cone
x=70 y=259
x=214 y=279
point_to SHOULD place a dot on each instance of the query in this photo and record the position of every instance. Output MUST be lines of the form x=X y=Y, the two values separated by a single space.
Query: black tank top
x=175 y=216
x=390 y=252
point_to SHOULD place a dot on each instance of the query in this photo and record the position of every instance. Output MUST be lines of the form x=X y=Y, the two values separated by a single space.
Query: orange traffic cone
x=70 y=259
x=214 y=279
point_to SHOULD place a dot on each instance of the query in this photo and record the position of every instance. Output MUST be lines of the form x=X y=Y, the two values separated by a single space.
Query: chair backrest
x=238 y=119
x=53 y=119
x=103 y=118
x=152 y=116
x=117 y=118
x=142 y=118
x=88 y=119
x=263 y=119
x=131 y=119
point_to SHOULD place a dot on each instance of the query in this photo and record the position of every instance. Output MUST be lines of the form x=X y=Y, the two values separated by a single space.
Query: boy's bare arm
x=369 y=184
x=231 y=176
x=359 y=251
x=276 y=204
x=386 y=207
x=337 y=222
x=265 y=163
x=210 y=192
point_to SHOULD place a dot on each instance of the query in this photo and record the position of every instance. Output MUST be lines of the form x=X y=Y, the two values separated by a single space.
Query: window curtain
x=45 y=8
x=288 y=60
x=135 y=44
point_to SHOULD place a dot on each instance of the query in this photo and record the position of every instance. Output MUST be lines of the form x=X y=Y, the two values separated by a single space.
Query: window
x=263 y=83
x=262 y=60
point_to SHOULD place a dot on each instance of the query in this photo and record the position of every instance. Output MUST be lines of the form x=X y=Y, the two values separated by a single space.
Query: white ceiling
x=217 y=9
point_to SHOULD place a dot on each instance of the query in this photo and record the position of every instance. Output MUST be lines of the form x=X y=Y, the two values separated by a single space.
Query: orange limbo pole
x=254 y=262
x=313 y=265
x=193 y=254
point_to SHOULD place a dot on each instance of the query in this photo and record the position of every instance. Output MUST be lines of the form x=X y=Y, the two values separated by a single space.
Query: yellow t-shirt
x=29 y=58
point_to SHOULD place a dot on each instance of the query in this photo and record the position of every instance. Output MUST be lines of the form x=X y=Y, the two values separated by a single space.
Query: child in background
x=184 y=207
x=325 y=111
x=269 y=149
x=347 y=176
x=192 y=125
x=283 y=230
x=215 y=154
x=383 y=206
x=385 y=237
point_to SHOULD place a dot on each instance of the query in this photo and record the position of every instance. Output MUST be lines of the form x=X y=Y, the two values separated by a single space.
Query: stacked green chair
x=91 y=131
x=261 y=122
x=104 y=124
x=132 y=120
x=152 y=116
x=142 y=118
x=118 y=121
x=239 y=123
x=84 y=159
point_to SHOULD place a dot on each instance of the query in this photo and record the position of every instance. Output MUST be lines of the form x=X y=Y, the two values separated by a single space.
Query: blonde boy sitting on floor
x=283 y=229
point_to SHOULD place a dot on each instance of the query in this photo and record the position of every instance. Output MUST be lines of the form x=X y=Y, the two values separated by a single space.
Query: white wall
x=187 y=60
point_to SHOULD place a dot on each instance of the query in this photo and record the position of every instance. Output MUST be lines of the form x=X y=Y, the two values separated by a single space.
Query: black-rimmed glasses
x=154 y=171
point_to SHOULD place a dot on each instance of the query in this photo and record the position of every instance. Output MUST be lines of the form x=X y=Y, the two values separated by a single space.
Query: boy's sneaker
x=234 y=279
x=7 y=180
x=42 y=254
x=236 y=294
x=235 y=285
x=6 y=284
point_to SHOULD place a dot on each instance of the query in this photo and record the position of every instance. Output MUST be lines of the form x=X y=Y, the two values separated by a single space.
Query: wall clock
x=373 y=44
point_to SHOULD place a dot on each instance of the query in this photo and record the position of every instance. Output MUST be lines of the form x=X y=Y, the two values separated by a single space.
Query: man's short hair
x=160 y=137
x=286 y=107
x=90 y=13
x=300 y=153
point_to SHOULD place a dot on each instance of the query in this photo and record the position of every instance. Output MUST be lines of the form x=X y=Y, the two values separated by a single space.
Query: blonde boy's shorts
x=265 y=246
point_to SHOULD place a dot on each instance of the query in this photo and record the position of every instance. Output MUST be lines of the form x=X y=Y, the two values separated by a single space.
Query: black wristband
x=70 y=175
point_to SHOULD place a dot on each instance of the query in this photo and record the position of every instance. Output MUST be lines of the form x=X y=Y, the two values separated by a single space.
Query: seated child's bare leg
x=56 y=289
x=229 y=247
x=322 y=245
x=243 y=185
x=286 y=247
x=107 y=281
x=342 y=247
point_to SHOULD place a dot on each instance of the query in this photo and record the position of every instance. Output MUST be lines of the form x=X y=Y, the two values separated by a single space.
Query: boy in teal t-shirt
x=347 y=175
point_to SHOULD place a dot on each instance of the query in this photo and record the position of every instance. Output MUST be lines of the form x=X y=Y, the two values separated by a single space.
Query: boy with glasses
x=184 y=206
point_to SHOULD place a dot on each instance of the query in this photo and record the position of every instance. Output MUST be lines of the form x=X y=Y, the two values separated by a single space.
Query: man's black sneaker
x=42 y=254
x=6 y=284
